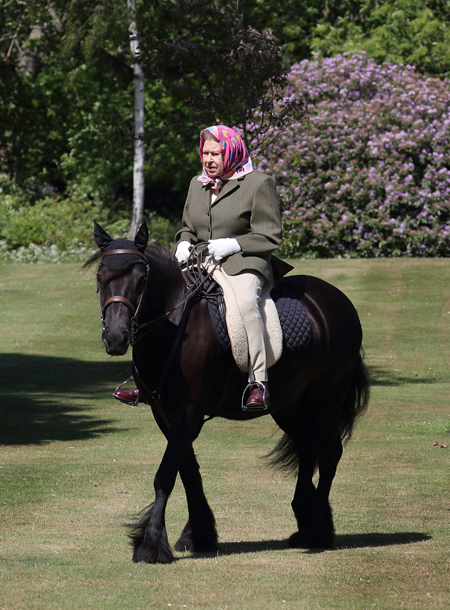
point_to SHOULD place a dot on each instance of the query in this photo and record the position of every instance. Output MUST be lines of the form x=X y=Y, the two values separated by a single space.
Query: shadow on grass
x=48 y=398
x=358 y=541
x=346 y=541
x=392 y=378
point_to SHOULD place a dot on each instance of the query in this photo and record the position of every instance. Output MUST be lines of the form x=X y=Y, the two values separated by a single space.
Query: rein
x=194 y=283
x=195 y=280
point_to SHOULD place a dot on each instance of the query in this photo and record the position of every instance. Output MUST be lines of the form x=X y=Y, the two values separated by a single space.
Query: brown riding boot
x=129 y=397
x=259 y=396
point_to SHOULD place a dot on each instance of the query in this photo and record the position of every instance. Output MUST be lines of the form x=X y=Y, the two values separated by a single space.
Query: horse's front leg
x=199 y=534
x=148 y=535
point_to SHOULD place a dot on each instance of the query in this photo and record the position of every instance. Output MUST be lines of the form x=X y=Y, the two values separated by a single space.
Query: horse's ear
x=102 y=239
x=141 y=239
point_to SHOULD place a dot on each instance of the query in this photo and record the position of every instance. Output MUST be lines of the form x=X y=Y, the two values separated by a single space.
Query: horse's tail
x=285 y=457
x=357 y=398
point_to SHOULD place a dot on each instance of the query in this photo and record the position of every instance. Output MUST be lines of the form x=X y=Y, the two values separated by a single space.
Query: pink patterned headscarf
x=236 y=160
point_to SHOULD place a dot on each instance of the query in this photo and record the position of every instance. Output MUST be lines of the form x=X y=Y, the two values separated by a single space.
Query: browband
x=136 y=252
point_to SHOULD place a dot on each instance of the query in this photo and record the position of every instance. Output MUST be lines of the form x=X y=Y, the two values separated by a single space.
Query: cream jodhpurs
x=248 y=288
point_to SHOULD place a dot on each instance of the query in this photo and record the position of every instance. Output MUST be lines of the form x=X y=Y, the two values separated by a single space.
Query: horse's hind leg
x=297 y=452
x=305 y=491
x=315 y=441
x=316 y=528
x=199 y=534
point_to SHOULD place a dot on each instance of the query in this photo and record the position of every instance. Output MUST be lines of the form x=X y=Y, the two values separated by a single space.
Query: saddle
x=291 y=331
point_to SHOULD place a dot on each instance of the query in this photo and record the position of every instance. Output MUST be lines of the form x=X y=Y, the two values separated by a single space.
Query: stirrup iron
x=255 y=408
x=132 y=404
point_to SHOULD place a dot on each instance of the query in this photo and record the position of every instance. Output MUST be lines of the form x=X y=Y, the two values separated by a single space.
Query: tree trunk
x=139 y=150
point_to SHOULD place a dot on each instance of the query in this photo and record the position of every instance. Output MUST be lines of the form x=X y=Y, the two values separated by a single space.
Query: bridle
x=194 y=284
x=120 y=299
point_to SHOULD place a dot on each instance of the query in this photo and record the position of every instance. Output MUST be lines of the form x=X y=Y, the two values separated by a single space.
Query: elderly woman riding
x=236 y=210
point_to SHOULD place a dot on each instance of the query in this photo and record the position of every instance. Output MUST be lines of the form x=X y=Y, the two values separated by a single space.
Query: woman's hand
x=221 y=248
x=182 y=252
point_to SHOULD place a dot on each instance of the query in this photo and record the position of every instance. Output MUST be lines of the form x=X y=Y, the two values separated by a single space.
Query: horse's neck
x=166 y=285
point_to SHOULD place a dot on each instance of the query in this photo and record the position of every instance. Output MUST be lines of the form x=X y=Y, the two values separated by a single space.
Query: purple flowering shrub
x=368 y=174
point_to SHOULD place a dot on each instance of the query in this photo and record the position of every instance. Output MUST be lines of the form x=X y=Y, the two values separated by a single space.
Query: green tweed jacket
x=247 y=209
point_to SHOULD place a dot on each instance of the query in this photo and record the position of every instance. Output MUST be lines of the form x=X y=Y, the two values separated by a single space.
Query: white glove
x=182 y=252
x=221 y=248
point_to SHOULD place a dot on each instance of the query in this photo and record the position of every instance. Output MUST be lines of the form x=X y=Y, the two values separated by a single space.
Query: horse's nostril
x=116 y=342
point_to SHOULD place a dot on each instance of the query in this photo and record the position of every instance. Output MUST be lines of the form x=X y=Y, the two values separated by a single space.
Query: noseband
x=120 y=299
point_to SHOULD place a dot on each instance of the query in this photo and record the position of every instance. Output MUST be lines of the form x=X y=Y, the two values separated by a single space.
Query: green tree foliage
x=398 y=31
x=229 y=74
x=28 y=143
x=293 y=21
x=412 y=32
x=66 y=85
x=67 y=118
x=69 y=123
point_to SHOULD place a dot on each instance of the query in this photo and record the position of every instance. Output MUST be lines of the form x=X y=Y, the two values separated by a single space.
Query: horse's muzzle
x=116 y=342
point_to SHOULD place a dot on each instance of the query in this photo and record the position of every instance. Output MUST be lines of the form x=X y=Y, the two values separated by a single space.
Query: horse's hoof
x=198 y=540
x=145 y=554
x=183 y=546
x=186 y=545
x=301 y=540
x=296 y=541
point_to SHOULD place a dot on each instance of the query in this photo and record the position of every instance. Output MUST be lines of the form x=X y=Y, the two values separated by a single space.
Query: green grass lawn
x=75 y=465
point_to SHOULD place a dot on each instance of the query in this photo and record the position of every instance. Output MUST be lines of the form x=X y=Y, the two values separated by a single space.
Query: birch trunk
x=139 y=150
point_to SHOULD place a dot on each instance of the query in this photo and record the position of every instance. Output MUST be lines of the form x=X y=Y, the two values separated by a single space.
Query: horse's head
x=121 y=280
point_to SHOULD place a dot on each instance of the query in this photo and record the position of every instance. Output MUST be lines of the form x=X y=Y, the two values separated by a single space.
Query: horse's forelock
x=95 y=257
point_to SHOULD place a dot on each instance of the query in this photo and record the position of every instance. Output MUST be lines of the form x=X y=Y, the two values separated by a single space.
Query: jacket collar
x=230 y=187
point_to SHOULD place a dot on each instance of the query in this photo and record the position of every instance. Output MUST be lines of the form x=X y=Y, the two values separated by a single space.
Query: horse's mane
x=160 y=252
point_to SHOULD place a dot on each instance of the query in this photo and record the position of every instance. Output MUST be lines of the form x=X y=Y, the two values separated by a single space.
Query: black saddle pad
x=294 y=321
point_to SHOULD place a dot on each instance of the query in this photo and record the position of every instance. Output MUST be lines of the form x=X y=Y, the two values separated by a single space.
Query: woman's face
x=212 y=158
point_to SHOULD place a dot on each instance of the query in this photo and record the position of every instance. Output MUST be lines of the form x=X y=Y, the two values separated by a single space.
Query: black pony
x=181 y=371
